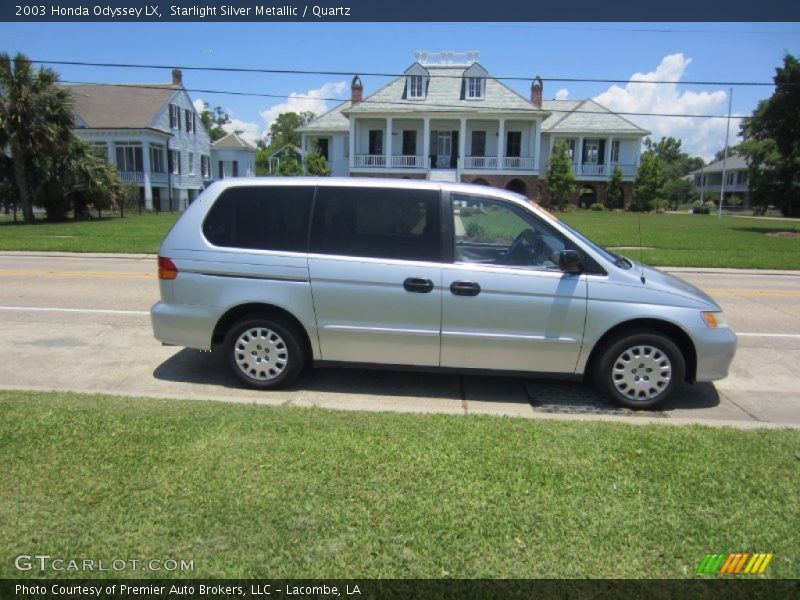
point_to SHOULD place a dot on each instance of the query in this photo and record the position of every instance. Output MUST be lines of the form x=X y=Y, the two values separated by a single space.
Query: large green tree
x=316 y=164
x=560 y=178
x=214 y=120
x=648 y=184
x=772 y=143
x=284 y=129
x=35 y=123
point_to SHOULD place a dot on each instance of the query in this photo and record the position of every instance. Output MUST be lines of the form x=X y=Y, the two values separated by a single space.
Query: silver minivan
x=281 y=273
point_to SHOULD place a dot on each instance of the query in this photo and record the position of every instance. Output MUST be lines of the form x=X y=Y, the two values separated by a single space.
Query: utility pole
x=725 y=153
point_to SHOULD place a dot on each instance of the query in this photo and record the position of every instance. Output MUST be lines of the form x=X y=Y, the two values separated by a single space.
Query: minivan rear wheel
x=264 y=353
x=640 y=370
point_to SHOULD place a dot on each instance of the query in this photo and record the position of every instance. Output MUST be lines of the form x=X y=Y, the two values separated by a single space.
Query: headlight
x=715 y=320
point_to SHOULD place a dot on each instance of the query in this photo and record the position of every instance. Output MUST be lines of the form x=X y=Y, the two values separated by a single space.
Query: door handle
x=465 y=288
x=418 y=285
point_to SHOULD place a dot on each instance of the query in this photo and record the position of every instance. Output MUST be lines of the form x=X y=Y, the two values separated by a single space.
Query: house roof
x=119 y=106
x=444 y=94
x=333 y=120
x=734 y=162
x=234 y=141
x=296 y=149
x=585 y=116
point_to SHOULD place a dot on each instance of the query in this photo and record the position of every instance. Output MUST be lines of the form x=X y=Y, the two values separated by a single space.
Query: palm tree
x=35 y=122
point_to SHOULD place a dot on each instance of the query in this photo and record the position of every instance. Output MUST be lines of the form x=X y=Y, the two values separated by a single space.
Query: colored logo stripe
x=734 y=563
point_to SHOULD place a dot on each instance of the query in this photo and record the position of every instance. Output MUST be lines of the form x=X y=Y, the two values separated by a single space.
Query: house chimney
x=356 y=90
x=537 y=87
x=177 y=78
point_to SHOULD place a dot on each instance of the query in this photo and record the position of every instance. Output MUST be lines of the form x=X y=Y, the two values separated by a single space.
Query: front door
x=505 y=303
x=444 y=150
x=376 y=274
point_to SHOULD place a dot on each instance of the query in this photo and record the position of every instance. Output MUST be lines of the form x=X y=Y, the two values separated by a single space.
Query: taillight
x=166 y=268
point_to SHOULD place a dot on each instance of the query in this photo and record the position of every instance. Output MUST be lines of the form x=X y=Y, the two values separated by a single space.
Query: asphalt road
x=80 y=322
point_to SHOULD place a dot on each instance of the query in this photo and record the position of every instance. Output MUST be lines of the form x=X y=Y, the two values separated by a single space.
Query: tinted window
x=261 y=218
x=378 y=223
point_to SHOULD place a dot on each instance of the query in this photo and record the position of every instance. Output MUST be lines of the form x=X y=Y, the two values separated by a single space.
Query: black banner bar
x=400 y=11
x=423 y=589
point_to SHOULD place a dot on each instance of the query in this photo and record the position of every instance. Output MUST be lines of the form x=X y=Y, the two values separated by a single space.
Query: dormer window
x=416 y=86
x=475 y=87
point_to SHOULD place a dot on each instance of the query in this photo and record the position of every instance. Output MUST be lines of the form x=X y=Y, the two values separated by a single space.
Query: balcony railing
x=132 y=176
x=518 y=162
x=627 y=170
x=409 y=162
x=369 y=160
x=480 y=162
x=601 y=170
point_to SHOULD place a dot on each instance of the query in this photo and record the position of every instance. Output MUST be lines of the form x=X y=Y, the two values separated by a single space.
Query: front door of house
x=444 y=150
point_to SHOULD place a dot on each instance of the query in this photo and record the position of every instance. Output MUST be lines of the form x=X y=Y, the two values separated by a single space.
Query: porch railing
x=409 y=162
x=369 y=160
x=627 y=170
x=132 y=176
x=518 y=162
x=480 y=162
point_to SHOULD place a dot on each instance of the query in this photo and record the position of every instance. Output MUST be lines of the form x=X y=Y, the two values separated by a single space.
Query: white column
x=579 y=152
x=148 y=189
x=537 y=140
x=352 y=142
x=304 y=142
x=426 y=142
x=388 y=148
x=462 y=143
x=609 y=143
x=501 y=142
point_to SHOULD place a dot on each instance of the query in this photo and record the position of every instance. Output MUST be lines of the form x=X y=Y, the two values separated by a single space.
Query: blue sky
x=683 y=51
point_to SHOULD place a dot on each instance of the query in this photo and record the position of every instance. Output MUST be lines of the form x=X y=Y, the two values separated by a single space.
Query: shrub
x=476 y=231
x=597 y=206
x=466 y=211
x=660 y=204
x=700 y=209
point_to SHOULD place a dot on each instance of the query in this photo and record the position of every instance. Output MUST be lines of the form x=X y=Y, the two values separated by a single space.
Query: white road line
x=773 y=335
x=91 y=311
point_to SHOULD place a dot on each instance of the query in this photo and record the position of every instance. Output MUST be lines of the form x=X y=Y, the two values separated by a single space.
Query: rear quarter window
x=260 y=218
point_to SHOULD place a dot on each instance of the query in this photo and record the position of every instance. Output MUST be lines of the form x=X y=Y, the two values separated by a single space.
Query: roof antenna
x=641 y=248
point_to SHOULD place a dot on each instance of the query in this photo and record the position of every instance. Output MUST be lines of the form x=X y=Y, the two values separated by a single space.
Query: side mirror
x=569 y=261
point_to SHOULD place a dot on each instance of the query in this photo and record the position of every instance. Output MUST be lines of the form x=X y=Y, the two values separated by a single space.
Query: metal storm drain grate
x=575 y=398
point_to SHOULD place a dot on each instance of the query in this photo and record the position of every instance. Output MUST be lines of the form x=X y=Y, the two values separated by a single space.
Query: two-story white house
x=448 y=119
x=151 y=133
x=708 y=180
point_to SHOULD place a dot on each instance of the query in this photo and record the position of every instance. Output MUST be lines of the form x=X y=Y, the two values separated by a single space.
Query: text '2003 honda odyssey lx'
x=281 y=273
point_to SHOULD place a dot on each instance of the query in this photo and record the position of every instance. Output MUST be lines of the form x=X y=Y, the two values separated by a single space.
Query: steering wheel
x=519 y=252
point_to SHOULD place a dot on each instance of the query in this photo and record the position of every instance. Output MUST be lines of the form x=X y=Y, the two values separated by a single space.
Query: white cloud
x=199 y=105
x=312 y=100
x=562 y=94
x=701 y=137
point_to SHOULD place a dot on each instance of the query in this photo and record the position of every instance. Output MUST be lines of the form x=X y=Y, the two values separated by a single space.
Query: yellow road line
x=74 y=274
x=753 y=293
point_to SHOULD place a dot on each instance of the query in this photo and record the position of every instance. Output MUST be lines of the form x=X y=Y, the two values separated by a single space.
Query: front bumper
x=715 y=351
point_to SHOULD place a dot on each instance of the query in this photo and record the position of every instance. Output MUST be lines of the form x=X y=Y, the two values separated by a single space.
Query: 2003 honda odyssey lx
x=281 y=273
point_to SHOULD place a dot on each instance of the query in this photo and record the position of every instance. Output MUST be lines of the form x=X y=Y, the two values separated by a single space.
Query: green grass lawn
x=132 y=235
x=679 y=240
x=285 y=492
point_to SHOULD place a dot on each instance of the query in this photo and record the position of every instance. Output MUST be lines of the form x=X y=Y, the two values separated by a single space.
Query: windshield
x=619 y=261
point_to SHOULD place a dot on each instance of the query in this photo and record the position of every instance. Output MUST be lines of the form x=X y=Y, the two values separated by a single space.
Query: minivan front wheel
x=640 y=370
x=264 y=353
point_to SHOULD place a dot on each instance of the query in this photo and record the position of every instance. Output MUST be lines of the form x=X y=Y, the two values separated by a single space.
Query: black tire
x=276 y=345
x=640 y=369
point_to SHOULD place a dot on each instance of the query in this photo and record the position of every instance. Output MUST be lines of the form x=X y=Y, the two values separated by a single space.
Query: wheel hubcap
x=642 y=372
x=261 y=354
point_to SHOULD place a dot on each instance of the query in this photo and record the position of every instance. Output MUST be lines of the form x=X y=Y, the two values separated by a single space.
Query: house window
x=347 y=146
x=324 y=147
x=514 y=143
x=174 y=116
x=221 y=167
x=478 y=143
x=101 y=148
x=409 y=142
x=175 y=159
x=188 y=119
x=474 y=87
x=157 y=159
x=375 y=141
x=615 y=151
x=591 y=152
x=235 y=168
x=129 y=157
x=191 y=163
x=570 y=149
x=416 y=86
x=205 y=166
x=729 y=178
x=741 y=178
x=194 y=122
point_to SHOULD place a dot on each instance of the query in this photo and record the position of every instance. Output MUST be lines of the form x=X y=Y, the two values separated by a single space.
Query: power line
x=398 y=103
x=378 y=74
